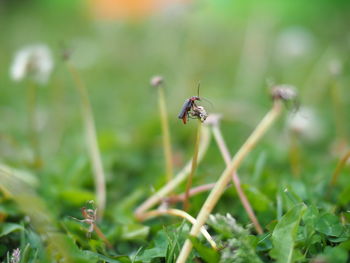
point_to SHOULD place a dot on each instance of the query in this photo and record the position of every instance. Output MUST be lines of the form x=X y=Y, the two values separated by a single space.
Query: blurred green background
x=234 y=48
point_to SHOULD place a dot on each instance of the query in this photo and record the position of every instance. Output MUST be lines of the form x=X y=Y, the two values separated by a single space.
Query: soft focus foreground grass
x=231 y=48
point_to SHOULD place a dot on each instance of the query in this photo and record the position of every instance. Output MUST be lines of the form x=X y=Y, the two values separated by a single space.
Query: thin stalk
x=33 y=123
x=178 y=179
x=186 y=204
x=193 y=191
x=235 y=178
x=338 y=109
x=100 y=234
x=294 y=154
x=184 y=215
x=219 y=188
x=166 y=134
x=339 y=168
x=91 y=137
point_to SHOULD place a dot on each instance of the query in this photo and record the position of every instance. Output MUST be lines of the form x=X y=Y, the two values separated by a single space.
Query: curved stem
x=183 y=214
x=339 y=167
x=180 y=177
x=219 y=188
x=193 y=191
x=91 y=136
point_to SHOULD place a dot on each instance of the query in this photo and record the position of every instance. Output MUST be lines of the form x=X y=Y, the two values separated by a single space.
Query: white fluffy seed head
x=335 y=67
x=294 y=42
x=284 y=91
x=156 y=81
x=34 y=62
x=305 y=123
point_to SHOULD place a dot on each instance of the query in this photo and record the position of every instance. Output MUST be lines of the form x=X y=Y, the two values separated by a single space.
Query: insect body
x=186 y=108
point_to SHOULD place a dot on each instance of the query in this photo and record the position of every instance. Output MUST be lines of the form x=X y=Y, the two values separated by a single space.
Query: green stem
x=184 y=215
x=193 y=167
x=339 y=168
x=178 y=179
x=92 y=142
x=224 y=179
x=294 y=154
x=166 y=134
x=33 y=124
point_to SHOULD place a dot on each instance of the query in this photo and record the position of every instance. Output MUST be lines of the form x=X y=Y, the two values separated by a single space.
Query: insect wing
x=185 y=108
x=184 y=119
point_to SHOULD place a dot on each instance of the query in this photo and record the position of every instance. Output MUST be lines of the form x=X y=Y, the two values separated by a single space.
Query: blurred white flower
x=294 y=42
x=335 y=67
x=305 y=123
x=34 y=62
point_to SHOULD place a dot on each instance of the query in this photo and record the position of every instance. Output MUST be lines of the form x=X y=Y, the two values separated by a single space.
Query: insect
x=188 y=105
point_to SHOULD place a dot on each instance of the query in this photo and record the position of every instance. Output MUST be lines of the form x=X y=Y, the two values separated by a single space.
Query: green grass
x=233 y=50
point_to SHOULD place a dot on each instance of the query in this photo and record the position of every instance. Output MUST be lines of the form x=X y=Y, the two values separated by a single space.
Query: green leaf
x=258 y=200
x=134 y=231
x=25 y=254
x=76 y=196
x=206 y=253
x=336 y=255
x=284 y=234
x=7 y=228
x=96 y=256
x=344 y=196
x=158 y=251
x=329 y=225
x=175 y=237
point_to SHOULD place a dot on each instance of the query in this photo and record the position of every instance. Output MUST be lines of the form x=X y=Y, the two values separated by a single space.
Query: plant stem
x=186 y=204
x=90 y=129
x=235 y=178
x=166 y=134
x=338 y=109
x=339 y=168
x=33 y=124
x=193 y=191
x=178 y=179
x=100 y=234
x=182 y=214
x=219 y=188
x=294 y=154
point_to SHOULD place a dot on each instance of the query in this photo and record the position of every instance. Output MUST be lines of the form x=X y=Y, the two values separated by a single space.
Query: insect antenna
x=198 y=86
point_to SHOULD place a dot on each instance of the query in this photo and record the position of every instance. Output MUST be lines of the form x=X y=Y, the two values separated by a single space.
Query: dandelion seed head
x=294 y=42
x=284 y=92
x=305 y=123
x=335 y=67
x=156 y=81
x=34 y=62
x=199 y=112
